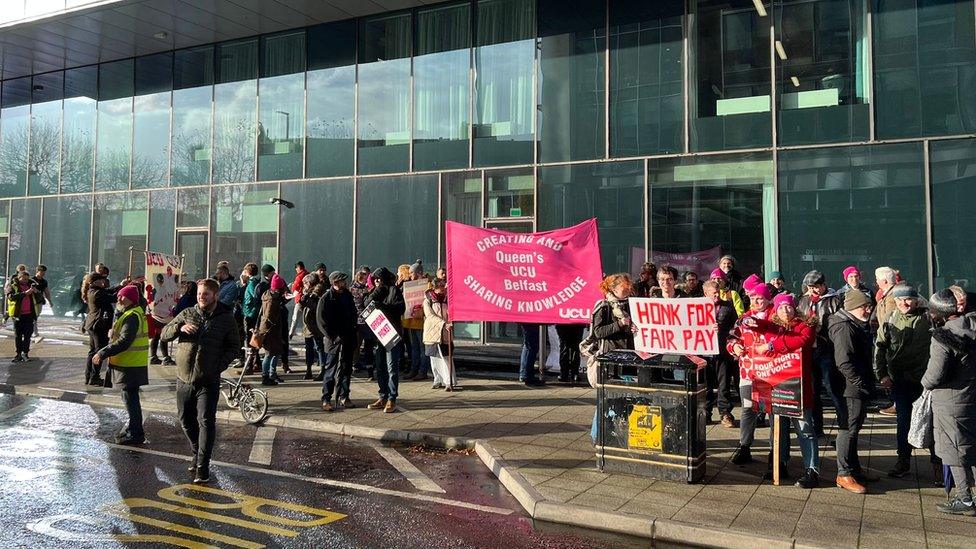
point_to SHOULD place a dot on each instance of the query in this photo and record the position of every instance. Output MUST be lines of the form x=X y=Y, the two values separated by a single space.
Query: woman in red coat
x=787 y=332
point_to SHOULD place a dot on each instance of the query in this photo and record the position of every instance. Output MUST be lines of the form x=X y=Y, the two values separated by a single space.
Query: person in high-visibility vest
x=128 y=355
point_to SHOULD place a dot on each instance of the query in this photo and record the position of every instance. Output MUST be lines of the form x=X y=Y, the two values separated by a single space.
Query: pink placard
x=551 y=277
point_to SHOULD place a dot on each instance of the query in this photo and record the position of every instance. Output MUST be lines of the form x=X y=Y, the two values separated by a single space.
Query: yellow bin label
x=645 y=428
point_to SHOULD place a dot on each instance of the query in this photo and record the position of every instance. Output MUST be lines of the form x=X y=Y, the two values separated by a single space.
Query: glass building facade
x=794 y=134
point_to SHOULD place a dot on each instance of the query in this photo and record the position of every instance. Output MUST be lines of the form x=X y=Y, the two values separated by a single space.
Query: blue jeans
x=807 y=439
x=419 y=361
x=530 y=352
x=388 y=370
x=269 y=367
x=314 y=352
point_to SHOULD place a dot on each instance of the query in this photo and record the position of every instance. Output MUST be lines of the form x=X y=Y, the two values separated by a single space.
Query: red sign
x=674 y=326
x=777 y=383
x=551 y=277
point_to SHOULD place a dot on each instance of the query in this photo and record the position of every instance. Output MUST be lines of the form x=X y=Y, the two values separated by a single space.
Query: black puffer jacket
x=951 y=376
x=827 y=306
x=336 y=314
x=853 y=347
x=201 y=357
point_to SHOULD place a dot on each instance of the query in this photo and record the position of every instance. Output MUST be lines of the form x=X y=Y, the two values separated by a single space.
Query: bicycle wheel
x=254 y=406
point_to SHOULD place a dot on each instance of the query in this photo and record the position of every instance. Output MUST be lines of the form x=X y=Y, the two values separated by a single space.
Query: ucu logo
x=574 y=313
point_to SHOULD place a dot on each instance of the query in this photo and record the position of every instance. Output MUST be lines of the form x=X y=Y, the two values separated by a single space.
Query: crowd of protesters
x=858 y=346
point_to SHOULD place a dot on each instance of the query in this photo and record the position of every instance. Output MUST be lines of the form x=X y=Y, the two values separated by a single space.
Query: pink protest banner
x=701 y=262
x=683 y=326
x=551 y=277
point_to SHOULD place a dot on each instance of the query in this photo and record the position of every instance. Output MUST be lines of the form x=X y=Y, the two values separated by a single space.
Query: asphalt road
x=63 y=483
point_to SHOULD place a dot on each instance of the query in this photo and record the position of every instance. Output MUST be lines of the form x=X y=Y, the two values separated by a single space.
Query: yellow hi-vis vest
x=138 y=353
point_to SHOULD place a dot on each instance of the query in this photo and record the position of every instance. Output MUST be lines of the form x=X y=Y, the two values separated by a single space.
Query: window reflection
x=245 y=225
x=121 y=220
x=404 y=231
x=193 y=78
x=730 y=80
x=44 y=162
x=282 y=116
x=822 y=71
x=66 y=232
x=646 y=102
x=441 y=102
x=14 y=124
x=114 y=140
x=299 y=242
x=572 y=42
x=953 y=194
x=504 y=94
x=235 y=105
x=151 y=106
x=384 y=94
x=78 y=143
x=330 y=134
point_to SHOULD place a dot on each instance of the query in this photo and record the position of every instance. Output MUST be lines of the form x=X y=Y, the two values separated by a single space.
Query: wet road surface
x=64 y=484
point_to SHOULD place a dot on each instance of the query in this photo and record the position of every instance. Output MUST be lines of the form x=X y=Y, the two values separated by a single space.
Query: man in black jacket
x=853 y=377
x=336 y=316
x=207 y=343
x=98 y=322
x=719 y=372
x=388 y=298
x=820 y=302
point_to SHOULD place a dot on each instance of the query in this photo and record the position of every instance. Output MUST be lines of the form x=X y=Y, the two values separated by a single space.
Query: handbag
x=257 y=340
x=920 y=430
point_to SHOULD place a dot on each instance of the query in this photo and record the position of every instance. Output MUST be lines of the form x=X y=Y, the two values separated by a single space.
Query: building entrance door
x=193 y=245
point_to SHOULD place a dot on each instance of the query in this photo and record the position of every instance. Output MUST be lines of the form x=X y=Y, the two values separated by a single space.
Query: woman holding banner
x=788 y=333
x=611 y=327
x=438 y=335
x=743 y=341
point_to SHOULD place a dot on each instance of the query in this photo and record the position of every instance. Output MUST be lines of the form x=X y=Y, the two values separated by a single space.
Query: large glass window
x=461 y=201
x=572 y=42
x=25 y=224
x=646 y=102
x=235 y=105
x=150 y=139
x=66 y=233
x=397 y=221
x=441 y=98
x=121 y=220
x=925 y=65
x=282 y=117
x=44 y=163
x=384 y=94
x=78 y=143
x=330 y=137
x=611 y=192
x=504 y=94
x=14 y=129
x=193 y=208
x=114 y=140
x=730 y=79
x=245 y=225
x=862 y=206
x=300 y=241
x=162 y=220
x=510 y=193
x=822 y=74
x=953 y=165
x=698 y=204
x=193 y=78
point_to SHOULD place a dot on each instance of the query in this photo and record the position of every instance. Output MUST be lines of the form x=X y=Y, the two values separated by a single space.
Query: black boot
x=742 y=455
x=809 y=480
x=266 y=380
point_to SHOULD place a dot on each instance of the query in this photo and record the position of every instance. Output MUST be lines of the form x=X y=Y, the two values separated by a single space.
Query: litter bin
x=651 y=416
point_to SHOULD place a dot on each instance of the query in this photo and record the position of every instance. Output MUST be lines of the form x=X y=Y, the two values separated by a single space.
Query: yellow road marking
x=120 y=512
x=46 y=526
x=137 y=503
x=250 y=505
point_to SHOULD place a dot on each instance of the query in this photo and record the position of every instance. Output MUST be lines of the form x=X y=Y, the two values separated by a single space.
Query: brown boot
x=728 y=421
x=390 y=407
x=851 y=485
x=378 y=405
x=346 y=403
x=327 y=406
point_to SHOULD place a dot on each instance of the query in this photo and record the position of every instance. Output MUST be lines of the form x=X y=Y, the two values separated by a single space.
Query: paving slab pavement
x=539 y=437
